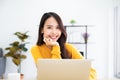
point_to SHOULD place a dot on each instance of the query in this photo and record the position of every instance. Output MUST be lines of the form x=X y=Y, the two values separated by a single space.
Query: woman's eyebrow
x=50 y=25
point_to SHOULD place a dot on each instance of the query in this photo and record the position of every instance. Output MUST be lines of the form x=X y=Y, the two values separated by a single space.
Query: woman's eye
x=49 y=27
x=58 y=27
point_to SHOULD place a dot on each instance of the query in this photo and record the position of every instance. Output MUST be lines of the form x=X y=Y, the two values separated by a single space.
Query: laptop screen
x=63 y=69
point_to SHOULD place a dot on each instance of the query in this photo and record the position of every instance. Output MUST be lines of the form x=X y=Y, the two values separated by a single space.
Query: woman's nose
x=54 y=31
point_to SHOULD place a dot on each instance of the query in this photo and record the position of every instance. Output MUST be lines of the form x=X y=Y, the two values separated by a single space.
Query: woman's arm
x=35 y=53
x=56 y=52
x=76 y=55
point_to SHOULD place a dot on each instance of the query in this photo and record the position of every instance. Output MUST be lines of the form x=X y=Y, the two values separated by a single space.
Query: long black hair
x=63 y=37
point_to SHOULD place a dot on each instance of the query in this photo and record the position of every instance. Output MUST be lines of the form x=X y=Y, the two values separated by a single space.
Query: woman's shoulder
x=37 y=47
x=34 y=46
x=68 y=45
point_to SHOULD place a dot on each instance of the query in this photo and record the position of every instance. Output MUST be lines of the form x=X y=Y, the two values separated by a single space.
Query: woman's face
x=51 y=29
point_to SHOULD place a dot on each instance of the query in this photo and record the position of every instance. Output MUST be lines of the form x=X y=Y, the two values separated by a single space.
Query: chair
x=2 y=64
x=82 y=53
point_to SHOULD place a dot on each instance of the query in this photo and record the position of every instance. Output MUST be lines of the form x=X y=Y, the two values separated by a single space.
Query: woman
x=52 y=41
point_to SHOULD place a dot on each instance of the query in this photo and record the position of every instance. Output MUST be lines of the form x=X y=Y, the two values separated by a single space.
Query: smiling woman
x=51 y=32
x=52 y=43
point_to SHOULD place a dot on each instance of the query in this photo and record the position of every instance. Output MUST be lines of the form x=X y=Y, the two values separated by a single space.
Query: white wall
x=24 y=15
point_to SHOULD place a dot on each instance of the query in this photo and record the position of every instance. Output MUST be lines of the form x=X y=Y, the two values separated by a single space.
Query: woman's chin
x=54 y=40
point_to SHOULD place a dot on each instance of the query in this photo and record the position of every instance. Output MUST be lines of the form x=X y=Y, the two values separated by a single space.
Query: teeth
x=53 y=37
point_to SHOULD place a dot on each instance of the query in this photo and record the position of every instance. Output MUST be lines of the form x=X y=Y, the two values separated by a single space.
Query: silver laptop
x=63 y=69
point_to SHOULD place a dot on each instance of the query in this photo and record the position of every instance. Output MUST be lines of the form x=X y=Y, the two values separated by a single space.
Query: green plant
x=17 y=48
x=72 y=22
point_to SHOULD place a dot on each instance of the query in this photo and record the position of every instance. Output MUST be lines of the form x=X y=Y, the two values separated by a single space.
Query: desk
x=109 y=79
x=21 y=79
x=98 y=79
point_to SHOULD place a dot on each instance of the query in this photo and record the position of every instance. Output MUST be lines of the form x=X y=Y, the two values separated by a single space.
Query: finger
x=47 y=40
x=44 y=39
x=50 y=40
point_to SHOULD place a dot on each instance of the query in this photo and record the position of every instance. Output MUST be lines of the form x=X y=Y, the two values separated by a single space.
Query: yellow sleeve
x=93 y=74
x=74 y=52
x=56 y=52
x=76 y=55
x=35 y=53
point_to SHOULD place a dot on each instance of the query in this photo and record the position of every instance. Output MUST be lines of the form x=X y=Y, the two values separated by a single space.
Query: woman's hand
x=50 y=42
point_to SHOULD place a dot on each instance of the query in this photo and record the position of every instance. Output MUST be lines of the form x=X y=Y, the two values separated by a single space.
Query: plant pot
x=10 y=67
x=21 y=76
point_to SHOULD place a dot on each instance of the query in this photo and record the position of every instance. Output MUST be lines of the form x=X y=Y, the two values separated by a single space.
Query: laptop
x=63 y=69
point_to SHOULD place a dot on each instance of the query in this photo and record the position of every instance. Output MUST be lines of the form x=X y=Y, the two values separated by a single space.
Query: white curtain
x=117 y=41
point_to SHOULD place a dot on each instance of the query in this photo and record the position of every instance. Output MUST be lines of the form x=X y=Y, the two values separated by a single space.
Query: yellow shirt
x=45 y=52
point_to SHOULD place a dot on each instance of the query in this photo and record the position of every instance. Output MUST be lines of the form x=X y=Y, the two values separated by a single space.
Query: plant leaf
x=25 y=49
x=21 y=36
x=15 y=43
x=16 y=61
x=23 y=56
x=9 y=54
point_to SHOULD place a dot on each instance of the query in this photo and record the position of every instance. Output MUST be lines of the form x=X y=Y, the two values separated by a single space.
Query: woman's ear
x=42 y=31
